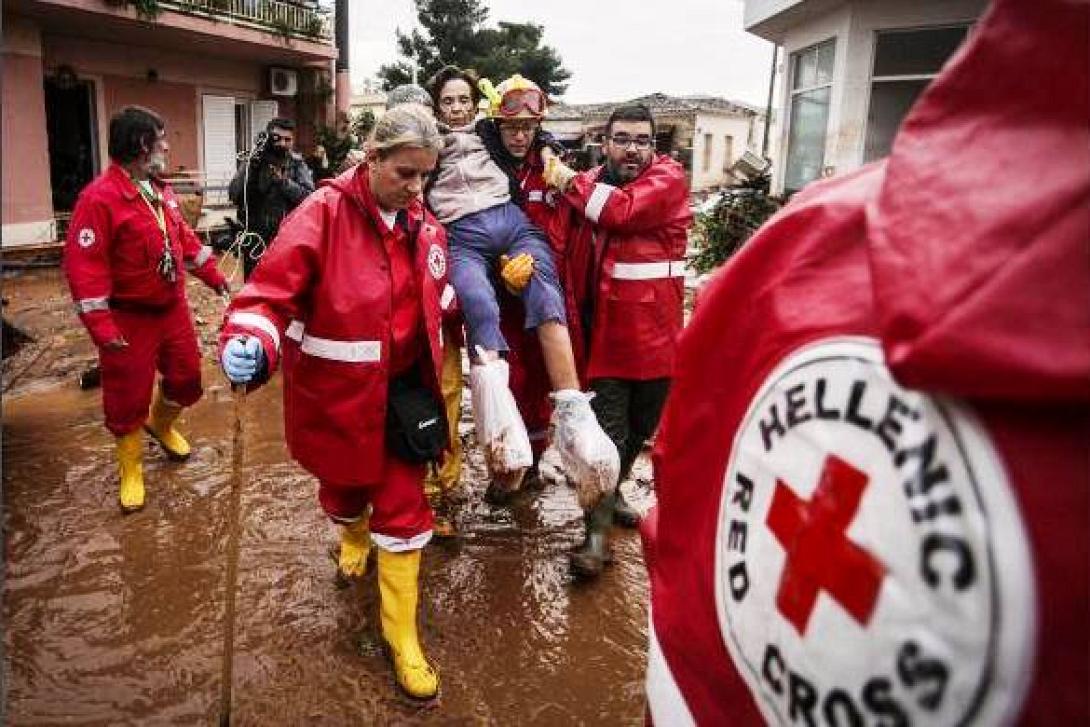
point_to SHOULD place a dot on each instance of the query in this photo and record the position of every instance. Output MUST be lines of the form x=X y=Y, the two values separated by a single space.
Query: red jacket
x=872 y=471
x=322 y=296
x=626 y=260
x=113 y=248
x=536 y=198
x=529 y=377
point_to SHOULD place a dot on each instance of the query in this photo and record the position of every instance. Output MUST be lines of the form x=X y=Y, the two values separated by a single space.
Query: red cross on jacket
x=114 y=246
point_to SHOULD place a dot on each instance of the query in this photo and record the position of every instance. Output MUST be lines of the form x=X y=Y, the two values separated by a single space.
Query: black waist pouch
x=415 y=431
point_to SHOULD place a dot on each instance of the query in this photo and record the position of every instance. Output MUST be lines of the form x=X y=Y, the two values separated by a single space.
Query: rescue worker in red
x=625 y=248
x=515 y=140
x=125 y=259
x=872 y=473
x=350 y=298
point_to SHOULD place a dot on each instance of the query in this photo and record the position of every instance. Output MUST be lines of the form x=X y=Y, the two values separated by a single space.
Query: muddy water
x=119 y=620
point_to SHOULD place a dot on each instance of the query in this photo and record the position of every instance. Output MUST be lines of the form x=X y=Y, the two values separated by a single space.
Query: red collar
x=124 y=183
x=363 y=195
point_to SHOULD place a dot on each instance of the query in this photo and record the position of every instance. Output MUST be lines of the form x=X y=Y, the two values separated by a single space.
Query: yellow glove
x=557 y=173
x=516 y=272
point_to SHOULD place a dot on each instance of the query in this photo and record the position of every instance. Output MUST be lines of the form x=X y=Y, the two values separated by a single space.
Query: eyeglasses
x=522 y=99
x=519 y=127
x=642 y=141
x=277 y=138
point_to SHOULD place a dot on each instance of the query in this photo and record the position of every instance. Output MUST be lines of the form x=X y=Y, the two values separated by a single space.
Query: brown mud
x=112 y=619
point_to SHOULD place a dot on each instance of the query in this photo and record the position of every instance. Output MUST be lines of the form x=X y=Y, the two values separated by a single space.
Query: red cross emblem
x=819 y=555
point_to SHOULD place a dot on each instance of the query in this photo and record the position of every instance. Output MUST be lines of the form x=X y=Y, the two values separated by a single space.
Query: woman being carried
x=470 y=195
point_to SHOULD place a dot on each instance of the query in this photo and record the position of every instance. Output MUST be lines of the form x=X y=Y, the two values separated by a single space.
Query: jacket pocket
x=337 y=418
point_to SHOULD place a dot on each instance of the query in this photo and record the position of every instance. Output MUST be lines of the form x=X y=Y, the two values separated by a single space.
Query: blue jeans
x=476 y=243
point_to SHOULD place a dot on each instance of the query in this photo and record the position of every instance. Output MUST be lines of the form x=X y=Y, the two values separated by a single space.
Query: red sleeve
x=646 y=202
x=197 y=256
x=275 y=293
x=87 y=268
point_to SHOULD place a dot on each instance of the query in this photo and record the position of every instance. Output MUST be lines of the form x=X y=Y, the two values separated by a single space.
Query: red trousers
x=529 y=378
x=157 y=340
x=401 y=518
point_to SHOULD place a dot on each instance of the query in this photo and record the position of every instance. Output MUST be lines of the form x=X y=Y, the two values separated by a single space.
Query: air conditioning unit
x=283 y=81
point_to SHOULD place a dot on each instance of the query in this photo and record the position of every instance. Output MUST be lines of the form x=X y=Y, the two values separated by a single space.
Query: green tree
x=454 y=32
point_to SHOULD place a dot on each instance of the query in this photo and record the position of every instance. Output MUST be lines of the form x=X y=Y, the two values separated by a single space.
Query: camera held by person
x=270 y=182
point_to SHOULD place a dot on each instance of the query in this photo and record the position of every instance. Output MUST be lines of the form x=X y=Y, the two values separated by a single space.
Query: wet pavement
x=112 y=619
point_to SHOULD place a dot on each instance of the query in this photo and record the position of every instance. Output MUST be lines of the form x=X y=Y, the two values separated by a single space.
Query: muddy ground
x=112 y=619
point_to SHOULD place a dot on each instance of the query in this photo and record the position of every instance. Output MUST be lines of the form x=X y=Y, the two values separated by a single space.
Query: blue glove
x=242 y=358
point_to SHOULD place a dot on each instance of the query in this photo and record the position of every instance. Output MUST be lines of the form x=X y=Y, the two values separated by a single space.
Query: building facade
x=216 y=70
x=849 y=72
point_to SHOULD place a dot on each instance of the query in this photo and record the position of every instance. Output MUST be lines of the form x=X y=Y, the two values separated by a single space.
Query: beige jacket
x=467 y=180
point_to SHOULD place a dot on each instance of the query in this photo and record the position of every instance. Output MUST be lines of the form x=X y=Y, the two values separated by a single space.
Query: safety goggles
x=518 y=100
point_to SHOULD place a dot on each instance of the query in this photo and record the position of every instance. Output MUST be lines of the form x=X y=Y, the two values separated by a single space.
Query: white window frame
x=873 y=79
x=793 y=59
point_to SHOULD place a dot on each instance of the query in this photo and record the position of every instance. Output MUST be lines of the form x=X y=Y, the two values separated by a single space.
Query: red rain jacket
x=872 y=470
x=626 y=258
x=325 y=286
x=529 y=377
x=113 y=249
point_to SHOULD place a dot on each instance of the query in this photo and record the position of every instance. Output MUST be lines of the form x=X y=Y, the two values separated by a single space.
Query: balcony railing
x=289 y=20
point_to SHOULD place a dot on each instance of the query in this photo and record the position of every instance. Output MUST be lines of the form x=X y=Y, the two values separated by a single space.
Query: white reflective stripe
x=347 y=351
x=649 y=271
x=401 y=545
x=295 y=331
x=535 y=195
x=202 y=256
x=86 y=305
x=664 y=699
x=598 y=200
x=259 y=322
x=447 y=298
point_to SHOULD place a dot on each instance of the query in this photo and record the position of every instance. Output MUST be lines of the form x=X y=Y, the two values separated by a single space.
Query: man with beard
x=267 y=187
x=124 y=257
x=626 y=263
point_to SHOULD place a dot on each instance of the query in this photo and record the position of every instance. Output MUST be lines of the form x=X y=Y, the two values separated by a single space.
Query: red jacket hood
x=355 y=184
x=980 y=233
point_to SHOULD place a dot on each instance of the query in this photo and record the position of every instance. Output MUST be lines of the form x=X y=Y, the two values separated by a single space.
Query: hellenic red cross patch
x=870 y=563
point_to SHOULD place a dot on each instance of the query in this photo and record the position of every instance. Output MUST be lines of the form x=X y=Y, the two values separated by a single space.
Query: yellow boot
x=355 y=547
x=130 y=461
x=398 y=583
x=161 y=426
x=441 y=480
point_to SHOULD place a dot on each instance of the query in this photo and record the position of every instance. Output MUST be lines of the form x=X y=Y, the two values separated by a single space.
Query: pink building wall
x=121 y=74
x=133 y=66
x=173 y=101
x=27 y=199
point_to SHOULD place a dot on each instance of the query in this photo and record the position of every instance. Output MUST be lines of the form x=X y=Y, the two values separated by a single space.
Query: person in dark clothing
x=268 y=185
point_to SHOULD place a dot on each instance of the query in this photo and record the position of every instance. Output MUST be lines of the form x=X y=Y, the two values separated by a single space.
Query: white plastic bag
x=589 y=457
x=500 y=429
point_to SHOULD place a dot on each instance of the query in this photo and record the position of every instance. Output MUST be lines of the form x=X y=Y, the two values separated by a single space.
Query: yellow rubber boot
x=443 y=479
x=398 y=583
x=355 y=547
x=161 y=426
x=130 y=461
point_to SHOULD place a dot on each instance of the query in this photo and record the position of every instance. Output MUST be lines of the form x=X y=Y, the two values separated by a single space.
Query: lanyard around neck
x=166 y=266
x=155 y=204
